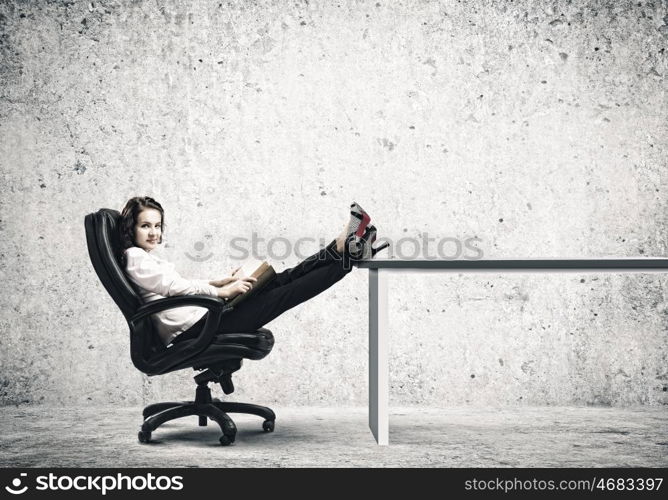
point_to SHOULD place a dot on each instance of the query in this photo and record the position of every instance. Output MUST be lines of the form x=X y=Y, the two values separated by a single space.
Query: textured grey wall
x=539 y=128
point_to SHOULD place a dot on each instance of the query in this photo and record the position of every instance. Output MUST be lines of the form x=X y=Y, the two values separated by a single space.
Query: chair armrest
x=177 y=354
x=160 y=305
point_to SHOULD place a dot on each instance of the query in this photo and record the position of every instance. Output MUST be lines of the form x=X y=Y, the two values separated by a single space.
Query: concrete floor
x=36 y=436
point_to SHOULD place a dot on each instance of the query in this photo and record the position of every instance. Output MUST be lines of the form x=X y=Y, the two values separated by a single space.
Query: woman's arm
x=158 y=276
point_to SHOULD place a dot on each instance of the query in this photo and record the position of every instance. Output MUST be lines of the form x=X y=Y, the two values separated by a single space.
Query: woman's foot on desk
x=364 y=250
x=359 y=220
x=354 y=229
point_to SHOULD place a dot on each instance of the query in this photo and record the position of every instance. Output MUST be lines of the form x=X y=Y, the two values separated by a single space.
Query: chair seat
x=261 y=340
x=250 y=345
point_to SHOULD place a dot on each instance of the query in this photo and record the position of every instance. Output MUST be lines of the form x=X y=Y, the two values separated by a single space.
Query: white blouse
x=157 y=279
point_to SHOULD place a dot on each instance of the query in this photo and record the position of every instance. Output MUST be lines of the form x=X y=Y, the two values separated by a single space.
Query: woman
x=141 y=230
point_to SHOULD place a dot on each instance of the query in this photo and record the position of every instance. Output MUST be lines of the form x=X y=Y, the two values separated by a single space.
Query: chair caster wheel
x=268 y=426
x=144 y=436
x=226 y=440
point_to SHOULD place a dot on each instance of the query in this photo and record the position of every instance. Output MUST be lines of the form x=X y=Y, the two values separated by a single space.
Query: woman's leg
x=291 y=287
x=295 y=285
x=318 y=259
x=288 y=289
x=271 y=303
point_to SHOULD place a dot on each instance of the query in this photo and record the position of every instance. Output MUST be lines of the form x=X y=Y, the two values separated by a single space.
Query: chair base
x=205 y=408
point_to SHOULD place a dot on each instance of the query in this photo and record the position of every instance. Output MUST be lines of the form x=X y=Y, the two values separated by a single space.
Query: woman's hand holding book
x=225 y=281
x=247 y=279
x=236 y=287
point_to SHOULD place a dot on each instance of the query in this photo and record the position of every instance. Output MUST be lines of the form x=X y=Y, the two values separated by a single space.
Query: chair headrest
x=103 y=239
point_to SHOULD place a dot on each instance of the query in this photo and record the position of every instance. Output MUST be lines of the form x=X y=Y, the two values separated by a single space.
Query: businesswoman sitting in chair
x=141 y=230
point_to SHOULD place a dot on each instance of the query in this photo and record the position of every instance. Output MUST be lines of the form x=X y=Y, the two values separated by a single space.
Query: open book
x=258 y=269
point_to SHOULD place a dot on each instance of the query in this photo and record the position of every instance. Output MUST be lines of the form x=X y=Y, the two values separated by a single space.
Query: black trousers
x=288 y=289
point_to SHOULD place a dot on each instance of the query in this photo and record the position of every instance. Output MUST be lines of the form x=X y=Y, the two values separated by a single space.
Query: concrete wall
x=539 y=128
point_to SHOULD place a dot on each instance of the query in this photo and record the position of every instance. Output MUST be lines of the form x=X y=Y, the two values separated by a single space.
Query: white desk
x=379 y=270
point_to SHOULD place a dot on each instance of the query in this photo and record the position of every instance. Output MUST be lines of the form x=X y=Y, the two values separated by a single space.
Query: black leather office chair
x=216 y=356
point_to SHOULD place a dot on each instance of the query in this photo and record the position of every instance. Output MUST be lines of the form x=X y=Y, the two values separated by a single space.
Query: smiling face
x=148 y=229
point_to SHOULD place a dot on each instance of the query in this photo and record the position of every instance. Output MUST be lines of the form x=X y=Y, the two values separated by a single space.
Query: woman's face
x=148 y=229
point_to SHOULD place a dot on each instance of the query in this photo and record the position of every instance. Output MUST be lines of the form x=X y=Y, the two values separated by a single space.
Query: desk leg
x=378 y=370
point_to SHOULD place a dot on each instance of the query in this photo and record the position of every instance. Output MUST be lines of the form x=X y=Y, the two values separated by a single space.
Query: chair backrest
x=103 y=240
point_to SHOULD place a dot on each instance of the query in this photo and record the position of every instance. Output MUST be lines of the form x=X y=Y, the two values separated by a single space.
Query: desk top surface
x=602 y=264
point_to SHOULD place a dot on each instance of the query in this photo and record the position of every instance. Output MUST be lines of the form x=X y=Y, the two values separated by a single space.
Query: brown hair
x=128 y=221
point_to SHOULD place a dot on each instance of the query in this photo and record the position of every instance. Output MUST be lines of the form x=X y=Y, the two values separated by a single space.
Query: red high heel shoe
x=359 y=220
